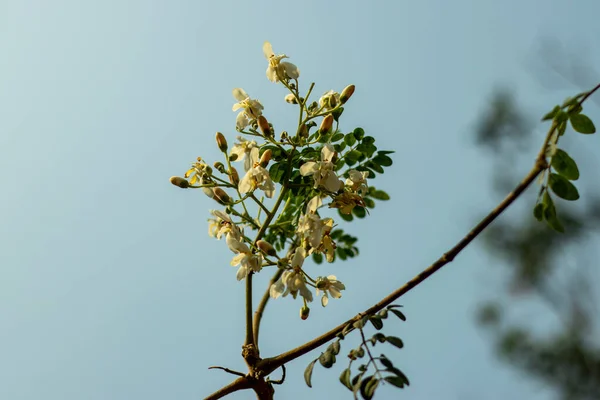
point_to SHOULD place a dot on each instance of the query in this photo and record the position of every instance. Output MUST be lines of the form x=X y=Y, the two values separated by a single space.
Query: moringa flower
x=277 y=69
x=221 y=225
x=257 y=178
x=357 y=181
x=322 y=171
x=246 y=150
x=329 y=286
x=247 y=260
x=292 y=281
x=251 y=109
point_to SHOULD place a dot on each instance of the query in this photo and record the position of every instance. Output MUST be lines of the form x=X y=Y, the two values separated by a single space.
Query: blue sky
x=109 y=284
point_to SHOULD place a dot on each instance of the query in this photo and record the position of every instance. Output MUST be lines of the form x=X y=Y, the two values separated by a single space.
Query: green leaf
x=582 y=124
x=396 y=341
x=359 y=133
x=538 y=212
x=565 y=165
x=345 y=217
x=359 y=212
x=386 y=361
x=383 y=160
x=368 y=140
x=360 y=323
x=337 y=137
x=380 y=195
x=337 y=113
x=369 y=202
x=327 y=359
x=563 y=188
x=345 y=378
x=352 y=157
x=399 y=374
x=398 y=313
x=551 y=114
x=550 y=214
x=317 y=258
x=308 y=373
x=395 y=380
x=335 y=347
x=349 y=139
x=379 y=337
x=374 y=166
x=367 y=388
x=377 y=323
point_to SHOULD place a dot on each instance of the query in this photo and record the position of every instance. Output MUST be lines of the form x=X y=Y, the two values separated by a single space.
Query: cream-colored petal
x=272 y=74
x=240 y=94
x=268 y=50
x=308 y=168
x=291 y=70
x=324 y=300
x=246 y=184
x=241 y=120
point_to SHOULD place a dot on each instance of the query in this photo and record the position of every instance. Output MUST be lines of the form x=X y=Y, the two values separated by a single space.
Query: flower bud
x=326 y=124
x=346 y=93
x=219 y=166
x=208 y=169
x=179 y=181
x=304 y=312
x=264 y=126
x=221 y=142
x=234 y=177
x=265 y=158
x=303 y=131
x=290 y=98
x=221 y=196
x=233 y=157
x=266 y=248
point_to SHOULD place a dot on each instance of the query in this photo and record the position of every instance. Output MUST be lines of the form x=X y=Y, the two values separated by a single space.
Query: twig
x=263 y=303
x=228 y=370
x=239 y=384
x=280 y=381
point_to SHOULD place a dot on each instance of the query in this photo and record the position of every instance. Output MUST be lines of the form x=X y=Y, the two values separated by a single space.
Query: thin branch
x=263 y=303
x=280 y=381
x=270 y=364
x=238 y=384
x=228 y=370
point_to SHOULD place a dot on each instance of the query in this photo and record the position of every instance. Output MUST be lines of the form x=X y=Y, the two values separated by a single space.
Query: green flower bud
x=219 y=166
x=264 y=126
x=265 y=158
x=179 y=181
x=346 y=93
x=221 y=196
x=326 y=124
x=234 y=177
x=221 y=142
x=304 y=312
x=266 y=248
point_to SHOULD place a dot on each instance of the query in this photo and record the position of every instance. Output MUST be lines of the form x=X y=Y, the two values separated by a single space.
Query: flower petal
x=239 y=94
x=268 y=50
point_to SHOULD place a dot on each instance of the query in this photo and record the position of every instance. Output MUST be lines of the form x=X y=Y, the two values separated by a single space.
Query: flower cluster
x=308 y=166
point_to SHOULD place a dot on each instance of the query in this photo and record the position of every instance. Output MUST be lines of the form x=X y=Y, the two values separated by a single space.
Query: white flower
x=246 y=150
x=278 y=69
x=329 y=100
x=312 y=229
x=257 y=177
x=244 y=257
x=322 y=171
x=357 y=181
x=222 y=225
x=330 y=287
x=292 y=281
x=251 y=109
